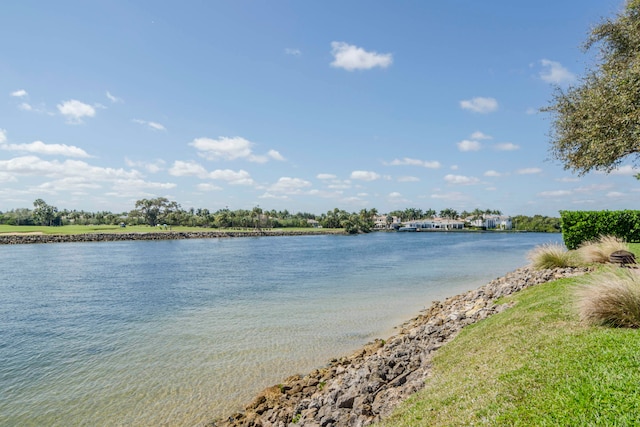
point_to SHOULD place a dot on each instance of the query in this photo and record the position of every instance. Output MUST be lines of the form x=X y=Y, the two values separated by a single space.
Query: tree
x=449 y=213
x=155 y=210
x=45 y=214
x=366 y=219
x=596 y=124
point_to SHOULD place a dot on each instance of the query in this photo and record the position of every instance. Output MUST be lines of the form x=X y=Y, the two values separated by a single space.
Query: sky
x=297 y=105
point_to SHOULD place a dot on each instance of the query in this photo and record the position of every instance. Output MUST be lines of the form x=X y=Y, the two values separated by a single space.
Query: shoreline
x=366 y=386
x=33 y=238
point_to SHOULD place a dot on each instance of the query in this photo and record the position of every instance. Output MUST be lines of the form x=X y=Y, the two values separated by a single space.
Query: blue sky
x=297 y=105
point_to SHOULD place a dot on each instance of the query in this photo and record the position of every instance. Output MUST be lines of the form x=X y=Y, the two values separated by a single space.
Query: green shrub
x=584 y=226
x=610 y=299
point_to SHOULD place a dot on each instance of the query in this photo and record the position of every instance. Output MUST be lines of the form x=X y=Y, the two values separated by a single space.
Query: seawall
x=27 y=238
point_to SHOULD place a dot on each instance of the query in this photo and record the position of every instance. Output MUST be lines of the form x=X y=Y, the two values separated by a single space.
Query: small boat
x=408 y=229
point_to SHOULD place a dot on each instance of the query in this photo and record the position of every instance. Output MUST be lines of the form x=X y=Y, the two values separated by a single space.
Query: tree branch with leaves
x=596 y=124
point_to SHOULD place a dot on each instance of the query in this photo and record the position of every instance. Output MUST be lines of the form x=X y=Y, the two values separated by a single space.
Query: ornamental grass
x=600 y=250
x=553 y=255
x=611 y=298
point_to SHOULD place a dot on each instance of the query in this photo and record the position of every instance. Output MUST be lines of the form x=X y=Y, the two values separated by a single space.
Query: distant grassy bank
x=89 y=229
x=534 y=364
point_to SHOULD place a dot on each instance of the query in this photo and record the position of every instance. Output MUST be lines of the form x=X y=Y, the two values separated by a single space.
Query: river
x=179 y=332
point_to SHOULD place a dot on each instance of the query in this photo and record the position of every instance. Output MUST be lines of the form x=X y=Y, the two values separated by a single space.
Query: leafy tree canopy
x=596 y=124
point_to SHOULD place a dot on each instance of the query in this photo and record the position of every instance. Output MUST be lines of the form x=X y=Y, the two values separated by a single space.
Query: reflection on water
x=180 y=332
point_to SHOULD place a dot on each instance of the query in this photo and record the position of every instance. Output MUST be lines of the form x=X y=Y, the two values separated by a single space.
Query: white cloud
x=241 y=177
x=275 y=155
x=338 y=185
x=293 y=52
x=528 y=171
x=408 y=179
x=6 y=177
x=506 y=146
x=289 y=185
x=24 y=106
x=460 y=179
x=365 y=175
x=492 y=173
x=351 y=57
x=416 y=162
x=615 y=194
x=156 y=126
x=626 y=170
x=467 y=145
x=477 y=135
x=132 y=185
x=223 y=148
x=268 y=195
x=395 y=195
x=230 y=149
x=480 y=105
x=325 y=176
x=39 y=147
x=205 y=186
x=555 y=193
x=592 y=188
x=19 y=93
x=181 y=168
x=75 y=110
x=450 y=196
x=72 y=183
x=152 y=125
x=3 y=136
x=152 y=167
x=555 y=73
x=568 y=179
x=34 y=166
x=113 y=98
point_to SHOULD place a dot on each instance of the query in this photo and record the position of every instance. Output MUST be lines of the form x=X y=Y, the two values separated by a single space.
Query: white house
x=491 y=222
x=436 y=224
x=381 y=222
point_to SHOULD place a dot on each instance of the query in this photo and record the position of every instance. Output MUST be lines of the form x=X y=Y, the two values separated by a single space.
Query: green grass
x=83 y=229
x=535 y=364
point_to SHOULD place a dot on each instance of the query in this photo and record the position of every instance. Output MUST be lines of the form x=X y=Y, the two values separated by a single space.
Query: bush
x=601 y=249
x=583 y=226
x=610 y=299
x=553 y=255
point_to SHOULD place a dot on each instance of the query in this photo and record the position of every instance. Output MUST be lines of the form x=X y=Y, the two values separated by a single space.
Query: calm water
x=180 y=332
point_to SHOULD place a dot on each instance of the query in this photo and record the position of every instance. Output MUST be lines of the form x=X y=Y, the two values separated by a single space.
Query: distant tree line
x=539 y=223
x=162 y=211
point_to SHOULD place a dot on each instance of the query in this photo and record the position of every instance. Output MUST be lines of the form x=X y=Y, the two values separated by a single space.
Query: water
x=181 y=332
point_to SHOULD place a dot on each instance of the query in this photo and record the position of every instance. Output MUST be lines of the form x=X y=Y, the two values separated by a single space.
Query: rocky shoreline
x=365 y=387
x=26 y=238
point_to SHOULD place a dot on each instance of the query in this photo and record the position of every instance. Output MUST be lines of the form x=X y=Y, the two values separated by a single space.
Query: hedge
x=582 y=226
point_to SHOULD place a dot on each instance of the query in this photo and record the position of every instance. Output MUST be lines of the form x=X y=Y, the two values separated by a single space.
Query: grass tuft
x=600 y=250
x=553 y=255
x=610 y=299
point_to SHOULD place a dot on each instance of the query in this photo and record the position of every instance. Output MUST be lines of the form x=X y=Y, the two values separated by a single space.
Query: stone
x=365 y=387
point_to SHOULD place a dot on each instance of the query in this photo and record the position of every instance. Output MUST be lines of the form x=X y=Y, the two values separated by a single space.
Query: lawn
x=533 y=365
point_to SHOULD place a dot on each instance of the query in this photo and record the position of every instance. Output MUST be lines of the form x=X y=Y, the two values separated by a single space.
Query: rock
x=363 y=388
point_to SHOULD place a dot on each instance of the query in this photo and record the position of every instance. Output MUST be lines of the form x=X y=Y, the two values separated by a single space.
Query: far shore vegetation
x=163 y=214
